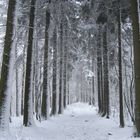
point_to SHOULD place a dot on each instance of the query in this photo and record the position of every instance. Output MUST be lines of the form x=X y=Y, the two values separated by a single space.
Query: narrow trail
x=79 y=122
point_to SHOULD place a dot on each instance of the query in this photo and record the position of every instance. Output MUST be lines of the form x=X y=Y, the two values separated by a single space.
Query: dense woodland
x=57 y=52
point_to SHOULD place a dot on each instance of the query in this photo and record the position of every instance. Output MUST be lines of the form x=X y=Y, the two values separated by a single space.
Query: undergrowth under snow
x=79 y=122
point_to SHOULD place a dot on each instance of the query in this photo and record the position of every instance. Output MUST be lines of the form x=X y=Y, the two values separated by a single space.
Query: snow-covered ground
x=79 y=122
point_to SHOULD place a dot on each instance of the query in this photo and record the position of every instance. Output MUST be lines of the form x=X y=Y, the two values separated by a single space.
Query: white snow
x=79 y=122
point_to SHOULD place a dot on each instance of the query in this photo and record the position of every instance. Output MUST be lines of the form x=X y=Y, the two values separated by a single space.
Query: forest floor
x=79 y=122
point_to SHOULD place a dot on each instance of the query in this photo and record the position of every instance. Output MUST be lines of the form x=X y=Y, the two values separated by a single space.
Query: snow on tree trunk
x=106 y=79
x=28 y=113
x=60 y=110
x=120 y=67
x=7 y=70
x=99 y=68
x=54 y=80
x=65 y=62
x=45 y=96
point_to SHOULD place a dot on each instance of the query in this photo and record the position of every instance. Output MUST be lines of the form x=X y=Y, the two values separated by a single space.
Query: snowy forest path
x=79 y=122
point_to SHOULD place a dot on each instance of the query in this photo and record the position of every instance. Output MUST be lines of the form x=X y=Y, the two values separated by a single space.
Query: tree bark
x=17 y=88
x=65 y=63
x=60 y=109
x=106 y=78
x=99 y=68
x=5 y=71
x=45 y=97
x=120 y=67
x=27 y=121
x=136 y=44
x=54 y=81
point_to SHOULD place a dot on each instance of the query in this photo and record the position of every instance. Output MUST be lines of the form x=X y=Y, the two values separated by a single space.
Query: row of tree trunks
x=63 y=96
x=45 y=102
x=102 y=63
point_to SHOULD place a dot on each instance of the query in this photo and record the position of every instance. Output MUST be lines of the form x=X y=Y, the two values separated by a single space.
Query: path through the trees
x=79 y=122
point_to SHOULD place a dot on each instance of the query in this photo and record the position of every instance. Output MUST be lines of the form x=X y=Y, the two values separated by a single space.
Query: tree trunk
x=27 y=121
x=120 y=67
x=54 y=81
x=45 y=73
x=17 y=88
x=136 y=43
x=23 y=82
x=99 y=68
x=60 y=109
x=106 y=78
x=6 y=68
x=65 y=63
x=37 y=80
